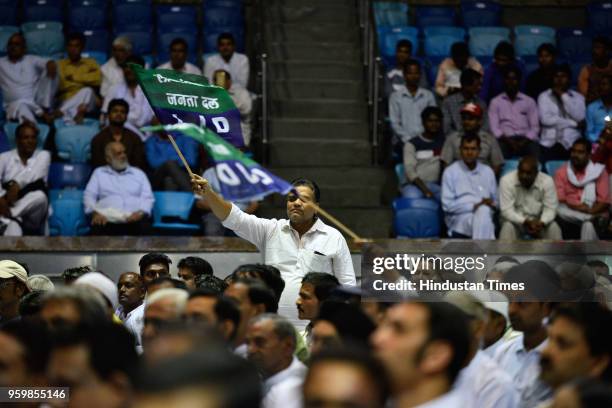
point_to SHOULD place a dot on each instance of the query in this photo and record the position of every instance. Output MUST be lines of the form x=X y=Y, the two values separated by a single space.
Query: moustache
x=545 y=363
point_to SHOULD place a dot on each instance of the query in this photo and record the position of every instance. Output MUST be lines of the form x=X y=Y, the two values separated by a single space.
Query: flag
x=240 y=178
x=187 y=98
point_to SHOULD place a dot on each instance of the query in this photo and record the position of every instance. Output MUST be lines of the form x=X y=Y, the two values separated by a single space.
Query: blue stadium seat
x=416 y=218
x=388 y=14
x=530 y=63
x=527 y=44
x=494 y=30
x=215 y=17
x=59 y=123
x=576 y=66
x=439 y=45
x=389 y=36
x=457 y=32
x=509 y=165
x=176 y=19
x=434 y=16
x=74 y=142
x=400 y=174
x=42 y=26
x=132 y=17
x=176 y=206
x=480 y=13
x=96 y=40
x=117 y=2
x=5 y=33
x=8 y=14
x=528 y=29
x=87 y=18
x=50 y=3
x=43 y=12
x=222 y=3
x=574 y=43
x=164 y=40
x=552 y=166
x=142 y=42
x=100 y=56
x=96 y=3
x=11 y=127
x=73 y=175
x=600 y=17
x=210 y=38
x=484 y=44
x=45 y=43
x=68 y=217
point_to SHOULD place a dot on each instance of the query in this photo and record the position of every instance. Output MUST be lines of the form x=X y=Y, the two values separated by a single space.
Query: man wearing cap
x=13 y=286
x=513 y=117
x=528 y=201
x=112 y=72
x=497 y=330
x=490 y=152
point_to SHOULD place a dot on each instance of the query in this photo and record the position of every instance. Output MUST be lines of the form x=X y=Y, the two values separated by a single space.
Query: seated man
x=118 y=196
x=23 y=178
x=449 y=71
x=422 y=158
x=469 y=194
x=599 y=109
x=489 y=151
x=471 y=82
x=562 y=114
x=394 y=78
x=541 y=79
x=227 y=59
x=241 y=99
x=493 y=80
x=583 y=190
x=528 y=203
x=407 y=104
x=116 y=132
x=168 y=173
x=591 y=74
x=28 y=82
x=514 y=118
x=140 y=113
x=178 y=58
x=112 y=72
x=603 y=154
x=78 y=78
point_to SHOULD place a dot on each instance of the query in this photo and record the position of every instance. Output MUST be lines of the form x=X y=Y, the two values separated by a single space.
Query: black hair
x=547 y=47
x=210 y=282
x=179 y=41
x=468 y=77
x=585 y=142
x=268 y=274
x=31 y=303
x=459 y=49
x=403 y=43
x=226 y=36
x=225 y=308
x=259 y=294
x=504 y=48
x=603 y=40
x=33 y=335
x=596 y=324
x=323 y=283
x=24 y=125
x=176 y=283
x=310 y=184
x=592 y=393
x=153 y=258
x=76 y=37
x=118 y=102
x=197 y=265
x=540 y=280
x=564 y=68
x=513 y=69
x=72 y=274
x=412 y=63
x=135 y=59
x=352 y=324
x=469 y=138
x=431 y=110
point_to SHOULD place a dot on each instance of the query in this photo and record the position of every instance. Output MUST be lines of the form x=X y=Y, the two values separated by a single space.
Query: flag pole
x=178 y=151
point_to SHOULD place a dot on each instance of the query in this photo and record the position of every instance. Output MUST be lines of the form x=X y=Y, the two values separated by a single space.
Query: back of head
x=542 y=283
x=210 y=282
x=71 y=274
x=352 y=324
x=89 y=303
x=40 y=282
x=178 y=297
x=268 y=274
x=33 y=336
x=260 y=294
x=197 y=265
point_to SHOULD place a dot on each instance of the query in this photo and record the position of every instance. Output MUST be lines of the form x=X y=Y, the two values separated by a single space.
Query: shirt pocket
x=316 y=261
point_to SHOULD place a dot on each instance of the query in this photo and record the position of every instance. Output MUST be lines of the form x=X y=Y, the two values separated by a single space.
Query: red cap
x=472 y=109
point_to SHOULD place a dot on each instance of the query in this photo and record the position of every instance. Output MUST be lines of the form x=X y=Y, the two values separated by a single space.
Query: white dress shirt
x=237 y=66
x=484 y=384
x=559 y=126
x=12 y=168
x=140 y=113
x=188 y=68
x=321 y=249
x=112 y=75
x=134 y=322
x=524 y=368
x=128 y=191
x=18 y=80
x=284 y=389
x=517 y=203
x=452 y=399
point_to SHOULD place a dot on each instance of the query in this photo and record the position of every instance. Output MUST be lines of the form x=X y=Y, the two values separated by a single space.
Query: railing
x=262 y=83
x=264 y=107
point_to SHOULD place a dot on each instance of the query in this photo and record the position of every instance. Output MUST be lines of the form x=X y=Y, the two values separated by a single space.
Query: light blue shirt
x=462 y=189
x=596 y=112
x=405 y=112
x=128 y=190
x=523 y=367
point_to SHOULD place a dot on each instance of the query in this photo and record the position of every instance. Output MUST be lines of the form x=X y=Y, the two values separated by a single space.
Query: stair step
x=319 y=108
x=294 y=151
x=309 y=69
x=317 y=13
x=316 y=88
x=313 y=33
x=334 y=51
x=320 y=129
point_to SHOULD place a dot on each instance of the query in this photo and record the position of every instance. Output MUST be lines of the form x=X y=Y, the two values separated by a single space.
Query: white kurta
x=237 y=66
x=140 y=113
x=188 y=68
x=112 y=75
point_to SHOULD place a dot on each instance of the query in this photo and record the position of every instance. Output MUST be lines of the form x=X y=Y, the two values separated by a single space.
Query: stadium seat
x=42 y=26
x=11 y=127
x=5 y=33
x=8 y=14
x=69 y=175
x=215 y=17
x=222 y=3
x=400 y=174
x=527 y=44
x=96 y=3
x=484 y=44
x=574 y=44
x=59 y=123
x=480 y=13
x=552 y=166
x=83 y=18
x=142 y=43
x=457 y=32
x=45 y=43
x=67 y=215
x=389 y=36
x=51 y=3
x=176 y=19
x=600 y=17
x=576 y=67
x=390 y=14
x=435 y=16
x=530 y=63
x=74 y=142
x=171 y=211
x=534 y=30
x=416 y=218
x=509 y=165
x=430 y=67
x=100 y=56
x=116 y=2
x=495 y=30
x=132 y=17
x=439 y=45
x=96 y=40
x=42 y=12
x=163 y=45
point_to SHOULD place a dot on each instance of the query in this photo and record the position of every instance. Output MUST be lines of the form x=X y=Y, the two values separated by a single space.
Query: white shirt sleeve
x=242 y=73
x=343 y=264
x=90 y=195
x=146 y=194
x=249 y=227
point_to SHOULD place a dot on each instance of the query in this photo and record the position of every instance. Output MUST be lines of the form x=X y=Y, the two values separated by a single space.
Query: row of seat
x=170 y=213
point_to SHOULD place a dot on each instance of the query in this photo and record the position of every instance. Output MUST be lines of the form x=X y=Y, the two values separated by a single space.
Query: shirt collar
x=318 y=226
x=406 y=92
x=519 y=96
x=110 y=170
x=285 y=374
x=521 y=346
x=465 y=167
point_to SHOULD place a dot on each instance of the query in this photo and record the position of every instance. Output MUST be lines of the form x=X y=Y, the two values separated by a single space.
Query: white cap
x=495 y=301
x=102 y=284
x=11 y=269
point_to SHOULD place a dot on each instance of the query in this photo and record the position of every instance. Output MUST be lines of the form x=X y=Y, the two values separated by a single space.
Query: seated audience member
x=165 y=306
x=449 y=71
x=165 y=282
x=528 y=203
x=493 y=80
x=118 y=196
x=25 y=350
x=541 y=79
x=131 y=291
x=422 y=158
x=407 y=104
x=78 y=78
x=178 y=58
x=227 y=59
x=590 y=75
x=140 y=113
x=583 y=189
x=14 y=284
x=497 y=327
x=208 y=307
x=152 y=266
x=112 y=70
x=74 y=306
x=423 y=374
x=28 y=82
x=562 y=114
x=118 y=112
x=469 y=193
x=394 y=78
x=471 y=82
x=489 y=152
x=271 y=343
x=167 y=171
x=513 y=117
x=191 y=267
x=23 y=178
x=241 y=99
x=316 y=288
x=603 y=154
x=599 y=109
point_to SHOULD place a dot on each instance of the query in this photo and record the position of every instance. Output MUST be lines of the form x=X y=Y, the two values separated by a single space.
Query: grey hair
x=178 y=296
x=109 y=146
x=282 y=327
x=40 y=282
x=123 y=41
x=89 y=302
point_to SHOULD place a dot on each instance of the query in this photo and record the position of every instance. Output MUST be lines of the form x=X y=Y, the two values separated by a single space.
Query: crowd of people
x=129 y=164
x=455 y=140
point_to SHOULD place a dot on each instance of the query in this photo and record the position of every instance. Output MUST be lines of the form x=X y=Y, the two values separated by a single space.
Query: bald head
x=131 y=291
x=528 y=171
